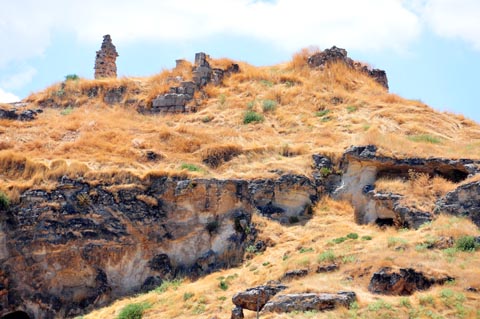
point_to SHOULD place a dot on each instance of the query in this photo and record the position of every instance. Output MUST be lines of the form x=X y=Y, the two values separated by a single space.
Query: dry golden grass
x=309 y=245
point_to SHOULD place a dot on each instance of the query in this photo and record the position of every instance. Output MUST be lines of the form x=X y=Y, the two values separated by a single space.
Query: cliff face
x=80 y=246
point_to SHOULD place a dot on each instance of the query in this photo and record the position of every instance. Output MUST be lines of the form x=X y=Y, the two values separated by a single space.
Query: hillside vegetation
x=262 y=121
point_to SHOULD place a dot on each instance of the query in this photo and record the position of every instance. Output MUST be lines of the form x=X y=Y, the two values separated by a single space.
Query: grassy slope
x=306 y=246
x=96 y=141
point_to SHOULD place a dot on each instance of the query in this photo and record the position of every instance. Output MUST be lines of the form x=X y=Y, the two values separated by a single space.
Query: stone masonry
x=105 y=65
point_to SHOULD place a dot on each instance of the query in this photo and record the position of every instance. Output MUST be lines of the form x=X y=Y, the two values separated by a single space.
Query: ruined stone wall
x=105 y=60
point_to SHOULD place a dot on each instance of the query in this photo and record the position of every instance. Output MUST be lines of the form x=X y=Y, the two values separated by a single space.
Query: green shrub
x=325 y=171
x=367 y=237
x=67 y=110
x=268 y=105
x=72 y=77
x=252 y=117
x=187 y=296
x=339 y=240
x=133 y=311
x=223 y=285
x=322 y=113
x=4 y=201
x=207 y=119
x=267 y=83
x=305 y=250
x=352 y=236
x=328 y=255
x=174 y=284
x=466 y=243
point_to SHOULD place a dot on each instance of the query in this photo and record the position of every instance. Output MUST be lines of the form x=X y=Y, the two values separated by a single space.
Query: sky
x=430 y=49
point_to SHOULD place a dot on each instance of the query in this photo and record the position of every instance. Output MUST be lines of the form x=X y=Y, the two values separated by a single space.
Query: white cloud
x=454 y=18
x=18 y=80
x=6 y=97
x=27 y=25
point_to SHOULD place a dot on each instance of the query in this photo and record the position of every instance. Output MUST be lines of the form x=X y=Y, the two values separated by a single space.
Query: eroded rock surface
x=105 y=59
x=463 y=201
x=362 y=167
x=19 y=115
x=82 y=245
x=309 y=301
x=404 y=281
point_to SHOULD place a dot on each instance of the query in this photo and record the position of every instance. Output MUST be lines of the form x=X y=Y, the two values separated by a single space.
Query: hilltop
x=184 y=192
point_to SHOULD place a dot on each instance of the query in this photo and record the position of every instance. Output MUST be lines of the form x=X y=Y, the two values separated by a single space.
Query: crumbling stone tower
x=105 y=65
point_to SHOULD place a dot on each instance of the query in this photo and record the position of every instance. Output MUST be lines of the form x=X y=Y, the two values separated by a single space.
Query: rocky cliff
x=81 y=245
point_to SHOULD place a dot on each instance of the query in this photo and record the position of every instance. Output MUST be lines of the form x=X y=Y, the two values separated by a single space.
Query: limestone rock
x=463 y=201
x=404 y=281
x=237 y=313
x=255 y=298
x=309 y=301
x=105 y=60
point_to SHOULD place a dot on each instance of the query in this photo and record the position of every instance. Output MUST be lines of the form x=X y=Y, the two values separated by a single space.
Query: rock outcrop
x=19 y=115
x=404 y=281
x=361 y=167
x=82 y=245
x=255 y=298
x=463 y=201
x=105 y=59
x=334 y=54
x=309 y=301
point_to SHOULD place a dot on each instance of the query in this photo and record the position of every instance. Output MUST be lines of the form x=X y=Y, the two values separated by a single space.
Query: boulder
x=296 y=273
x=463 y=201
x=401 y=282
x=255 y=298
x=309 y=301
x=237 y=313
x=327 y=268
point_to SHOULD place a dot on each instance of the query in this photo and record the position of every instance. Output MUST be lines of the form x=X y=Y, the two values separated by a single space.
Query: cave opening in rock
x=384 y=221
x=16 y=315
x=449 y=173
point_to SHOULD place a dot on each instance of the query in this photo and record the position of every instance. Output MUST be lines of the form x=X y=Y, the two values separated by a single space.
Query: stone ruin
x=176 y=100
x=105 y=65
x=334 y=54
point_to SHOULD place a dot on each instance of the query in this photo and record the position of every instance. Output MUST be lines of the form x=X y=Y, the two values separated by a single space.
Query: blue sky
x=429 y=48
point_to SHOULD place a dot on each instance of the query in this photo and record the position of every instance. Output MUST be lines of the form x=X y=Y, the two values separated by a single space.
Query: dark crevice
x=384 y=221
x=16 y=315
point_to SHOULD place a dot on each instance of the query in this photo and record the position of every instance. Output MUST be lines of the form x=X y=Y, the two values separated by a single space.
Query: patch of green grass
x=326 y=118
x=167 y=284
x=305 y=250
x=207 y=119
x=405 y=302
x=267 y=83
x=252 y=117
x=322 y=113
x=250 y=105
x=269 y=105
x=367 y=237
x=325 y=171
x=223 y=285
x=351 y=108
x=222 y=99
x=425 y=138
x=133 y=311
x=466 y=243
x=187 y=295
x=190 y=167
x=352 y=236
x=4 y=201
x=426 y=300
x=393 y=241
x=349 y=259
x=379 y=305
x=67 y=110
x=327 y=255
x=266 y=263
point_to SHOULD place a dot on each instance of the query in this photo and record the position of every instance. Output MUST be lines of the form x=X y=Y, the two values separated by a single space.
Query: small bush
x=325 y=171
x=367 y=237
x=252 y=117
x=322 y=113
x=339 y=240
x=223 y=285
x=207 y=119
x=72 y=77
x=351 y=108
x=352 y=236
x=328 y=255
x=174 y=284
x=133 y=311
x=187 y=296
x=4 y=201
x=67 y=110
x=269 y=105
x=466 y=243
x=305 y=250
